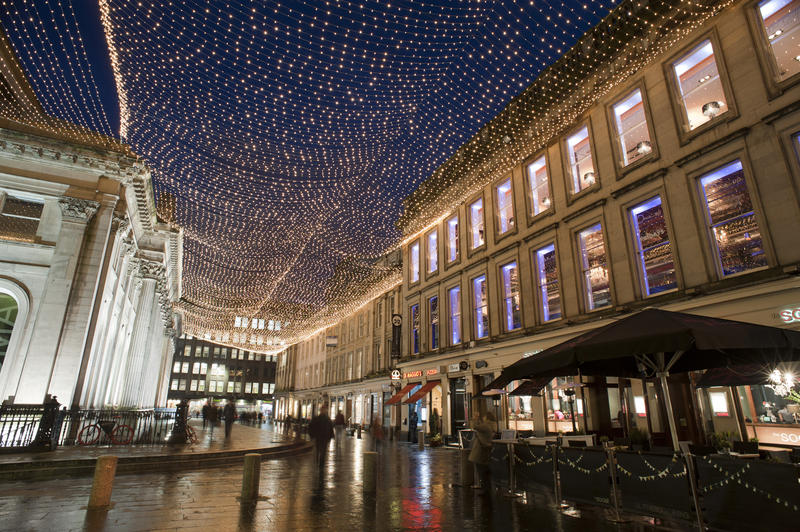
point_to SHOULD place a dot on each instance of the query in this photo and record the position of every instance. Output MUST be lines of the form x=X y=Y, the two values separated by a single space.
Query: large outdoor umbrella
x=658 y=342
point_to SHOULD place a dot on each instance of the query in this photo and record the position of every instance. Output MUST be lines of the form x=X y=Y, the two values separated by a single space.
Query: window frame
x=767 y=62
x=622 y=170
x=473 y=308
x=504 y=325
x=412 y=330
x=582 y=287
x=430 y=323
x=539 y=300
x=685 y=135
x=498 y=236
x=447 y=262
x=432 y=273
x=411 y=281
x=573 y=196
x=530 y=216
x=711 y=245
x=450 y=317
x=474 y=250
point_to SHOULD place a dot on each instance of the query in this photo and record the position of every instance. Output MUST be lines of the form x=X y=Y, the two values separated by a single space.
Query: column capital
x=76 y=209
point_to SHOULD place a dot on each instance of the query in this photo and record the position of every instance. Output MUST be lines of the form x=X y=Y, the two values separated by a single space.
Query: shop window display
x=480 y=307
x=452 y=239
x=653 y=249
x=413 y=261
x=579 y=151
x=505 y=207
x=433 y=313
x=477 y=235
x=539 y=186
x=511 y=304
x=454 y=300
x=597 y=292
x=547 y=282
x=415 y=329
x=633 y=135
x=781 y=21
x=700 y=85
x=433 y=251
x=732 y=220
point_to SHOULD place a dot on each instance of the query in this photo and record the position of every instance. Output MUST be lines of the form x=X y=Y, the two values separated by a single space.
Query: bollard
x=251 y=477
x=370 y=472
x=103 y=482
x=467 y=469
x=421 y=440
x=359 y=431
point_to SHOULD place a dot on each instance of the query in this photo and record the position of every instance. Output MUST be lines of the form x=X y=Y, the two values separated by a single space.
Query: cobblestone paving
x=415 y=492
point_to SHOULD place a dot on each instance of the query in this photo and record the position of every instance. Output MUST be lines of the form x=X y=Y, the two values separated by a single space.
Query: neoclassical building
x=88 y=273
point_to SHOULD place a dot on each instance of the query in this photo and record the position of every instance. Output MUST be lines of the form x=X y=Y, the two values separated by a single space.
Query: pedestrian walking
x=377 y=433
x=213 y=418
x=482 y=449
x=204 y=412
x=339 y=424
x=412 y=426
x=321 y=431
x=230 y=416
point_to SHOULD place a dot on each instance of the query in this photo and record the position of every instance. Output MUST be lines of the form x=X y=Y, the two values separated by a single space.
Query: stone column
x=139 y=343
x=39 y=365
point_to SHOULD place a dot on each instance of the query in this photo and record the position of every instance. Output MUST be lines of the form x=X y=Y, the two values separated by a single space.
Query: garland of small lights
x=658 y=474
x=284 y=135
x=546 y=458
x=737 y=478
x=575 y=464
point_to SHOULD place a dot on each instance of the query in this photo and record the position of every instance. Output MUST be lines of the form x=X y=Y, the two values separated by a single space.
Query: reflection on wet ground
x=415 y=492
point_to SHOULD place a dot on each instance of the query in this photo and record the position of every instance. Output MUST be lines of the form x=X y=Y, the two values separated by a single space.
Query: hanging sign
x=395 y=374
x=397 y=323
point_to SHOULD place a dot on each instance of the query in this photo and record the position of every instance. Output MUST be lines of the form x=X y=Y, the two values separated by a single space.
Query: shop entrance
x=459 y=405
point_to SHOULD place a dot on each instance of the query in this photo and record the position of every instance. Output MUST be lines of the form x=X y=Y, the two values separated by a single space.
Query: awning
x=743 y=374
x=421 y=392
x=399 y=396
x=531 y=387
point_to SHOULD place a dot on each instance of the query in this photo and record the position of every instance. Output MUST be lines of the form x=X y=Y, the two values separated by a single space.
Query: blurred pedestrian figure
x=205 y=410
x=412 y=426
x=213 y=418
x=321 y=431
x=230 y=416
x=482 y=449
x=287 y=423
x=339 y=426
x=377 y=432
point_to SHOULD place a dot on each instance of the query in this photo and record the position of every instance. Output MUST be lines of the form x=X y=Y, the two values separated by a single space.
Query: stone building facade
x=669 y=176
x=88 y=273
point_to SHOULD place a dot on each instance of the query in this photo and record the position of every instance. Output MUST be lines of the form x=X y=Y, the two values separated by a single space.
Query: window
x=212 y=386
x=452 y=239
x=182 y=385
x=480 y=307
x=633 y=135
x=185 y=367
x=596 y=288
x=237 y=387
x=205 y=351
x=230 y=386
x=579 y=151
x=216 y=351
x=204 y=368
x=781 y=20
x=730 y=216
x=700 y=85
x=653 y=250
x=193 y=385
x=413 y=262
x=477 y=236
x=511 y=309
x=248 y=387
x=19 y=218
x=454 y=300
x=226 y=352
x=539 y=186
x=174 y=384
x=433 y=251
x=546 y=271
x=505 y=207
x=414 y=329
x=196 y=367
x=187 y=350
x=201 y=385
x=176 y=367
x=433 y=314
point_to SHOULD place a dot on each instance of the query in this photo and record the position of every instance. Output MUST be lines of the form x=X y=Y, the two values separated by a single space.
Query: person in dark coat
x=412 y=426
x=321 y=431
x=205 y=410
x=230 y=416
x=482 y=449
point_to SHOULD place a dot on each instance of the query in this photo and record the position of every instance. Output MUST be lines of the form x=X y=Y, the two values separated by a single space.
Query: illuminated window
x=633 y=135
x=539 y=186
x=700 y=85
x=653 y=249
x=413 y=263
x=579 y=150
x=597 y=292
x=781 y=19
x=480 y=307
x=477 y=236
x=248 y=387
x=454 y=302
x=433 y=314
x=719 y=403
x=730 y=215
x=193 y=385
x=187 y=350
x=201 y=385
x=414 y=329
x=196 y=367
x=230 y=387
x=505 y=207
x=182 y=385
x=185 y=367
x=452 y=239
x=176 y=367
x=640 y=406
x=433 y=251
x=203 y=368
x=212 y=386
x=237 y=387
x=547 y=282
x=174 y=384
x=511 y=309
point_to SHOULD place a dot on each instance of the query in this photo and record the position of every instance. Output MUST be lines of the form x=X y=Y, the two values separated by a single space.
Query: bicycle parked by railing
x=119 y=434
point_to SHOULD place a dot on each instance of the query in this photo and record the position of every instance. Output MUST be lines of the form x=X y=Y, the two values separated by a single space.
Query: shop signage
x=790 y=315
x=432 y=371
x=395 y=374
x=397 y=323
x=779 y=434
x=412 y=374
x=452 y=368
x=481 y=364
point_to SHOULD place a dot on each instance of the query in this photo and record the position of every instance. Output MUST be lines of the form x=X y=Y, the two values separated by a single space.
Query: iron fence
x=19 y=425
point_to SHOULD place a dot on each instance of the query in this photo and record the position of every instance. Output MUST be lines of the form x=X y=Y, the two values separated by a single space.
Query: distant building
x=88 y=273
x=203 y=371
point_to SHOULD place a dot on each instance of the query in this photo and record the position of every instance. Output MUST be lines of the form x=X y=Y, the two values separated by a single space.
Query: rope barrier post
x=251 y=477
x=103 y=482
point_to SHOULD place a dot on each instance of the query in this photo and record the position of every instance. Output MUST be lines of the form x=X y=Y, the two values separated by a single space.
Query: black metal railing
x=19 y=425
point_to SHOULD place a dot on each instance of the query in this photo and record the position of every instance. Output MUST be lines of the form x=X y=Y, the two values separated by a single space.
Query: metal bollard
x=421 y=440
x=359 y=431
x=370 y=471
x=467 y=469
x=103 y=482
x=251 y=477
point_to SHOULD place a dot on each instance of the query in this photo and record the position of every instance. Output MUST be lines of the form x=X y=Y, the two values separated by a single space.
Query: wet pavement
x=415 y=492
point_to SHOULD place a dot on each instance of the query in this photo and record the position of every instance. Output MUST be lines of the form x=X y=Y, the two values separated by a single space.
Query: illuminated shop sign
x=790 y=315
x=396 y=375
x=432 y=371
x=412 y=374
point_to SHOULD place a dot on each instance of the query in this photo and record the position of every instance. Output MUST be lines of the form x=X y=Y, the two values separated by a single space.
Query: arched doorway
x=8 y=316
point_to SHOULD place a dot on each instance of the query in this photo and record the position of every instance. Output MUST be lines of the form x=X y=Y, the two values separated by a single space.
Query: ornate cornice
x=77 y=210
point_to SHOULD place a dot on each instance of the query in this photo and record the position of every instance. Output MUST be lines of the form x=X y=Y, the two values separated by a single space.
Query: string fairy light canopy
x=284 y=136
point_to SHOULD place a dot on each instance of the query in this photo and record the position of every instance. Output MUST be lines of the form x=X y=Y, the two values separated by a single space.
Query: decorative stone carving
x=151 y=269
x=121 y=222
x=77 y=210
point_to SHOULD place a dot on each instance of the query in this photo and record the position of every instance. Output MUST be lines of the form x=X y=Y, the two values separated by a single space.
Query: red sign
x=412 y=374
x=432 y=371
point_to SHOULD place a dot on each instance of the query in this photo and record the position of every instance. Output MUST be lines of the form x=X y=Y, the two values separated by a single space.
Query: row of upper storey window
x=733 y=233
x=702 y=96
